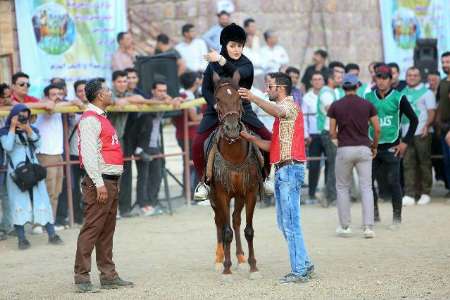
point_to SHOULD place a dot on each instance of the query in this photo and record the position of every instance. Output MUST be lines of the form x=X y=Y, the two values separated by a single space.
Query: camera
x=22 y=119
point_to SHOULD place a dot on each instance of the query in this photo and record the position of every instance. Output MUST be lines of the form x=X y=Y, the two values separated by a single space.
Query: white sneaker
x=118 y=217
x=147 y=211
x=347 y=232
x=408 y=201
x=201 y=192
x=204 y=203
x=269 y=187
x=37 y=230
x=368 y=233
x=424 y=200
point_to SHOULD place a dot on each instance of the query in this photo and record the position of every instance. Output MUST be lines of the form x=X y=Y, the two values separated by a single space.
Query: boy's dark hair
x=186 y=28
x=50 y=87
x=325 y=78
x=445 y=54
x=394 y=65
x=118 y=73
x=163 y=38
x=120 y=36
x=188 y=79
x=3 y=87
x=248 y=21
x=282 y=79
x=223 y=12
x=19 y=75
x=93 y=87
x=351 y=66
x=130 y=70
x=78 y=83
x=322 y=53
x=156 y=83
x=290 y=70
x=335 y=64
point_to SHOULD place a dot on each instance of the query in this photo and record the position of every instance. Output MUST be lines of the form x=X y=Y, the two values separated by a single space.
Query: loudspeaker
x=426 y=56
x=160 y=67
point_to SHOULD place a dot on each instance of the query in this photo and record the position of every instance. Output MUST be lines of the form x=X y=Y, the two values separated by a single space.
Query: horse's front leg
x=238 y=205
x=249 y=232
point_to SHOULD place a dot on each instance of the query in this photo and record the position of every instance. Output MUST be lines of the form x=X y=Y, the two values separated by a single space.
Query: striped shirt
x=90 y=148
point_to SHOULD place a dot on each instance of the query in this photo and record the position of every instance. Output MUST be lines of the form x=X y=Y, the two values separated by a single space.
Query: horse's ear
x=235 y=79
x=216 y=78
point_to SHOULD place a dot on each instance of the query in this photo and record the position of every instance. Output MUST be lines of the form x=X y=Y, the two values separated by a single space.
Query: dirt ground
x=171 y=257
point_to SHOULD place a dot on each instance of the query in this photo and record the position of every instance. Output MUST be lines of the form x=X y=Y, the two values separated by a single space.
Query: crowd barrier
x=4 y=111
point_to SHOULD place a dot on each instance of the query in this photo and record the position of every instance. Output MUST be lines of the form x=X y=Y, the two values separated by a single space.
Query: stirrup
x=201 y=192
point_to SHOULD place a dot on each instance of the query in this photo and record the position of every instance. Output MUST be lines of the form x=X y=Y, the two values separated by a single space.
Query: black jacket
x=245 y=68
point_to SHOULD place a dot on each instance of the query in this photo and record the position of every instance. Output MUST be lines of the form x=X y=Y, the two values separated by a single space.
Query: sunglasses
x=22 y=84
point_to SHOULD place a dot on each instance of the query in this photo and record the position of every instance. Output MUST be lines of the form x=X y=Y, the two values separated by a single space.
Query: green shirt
x=361 y=91
x=389 y=115
x=326 y=97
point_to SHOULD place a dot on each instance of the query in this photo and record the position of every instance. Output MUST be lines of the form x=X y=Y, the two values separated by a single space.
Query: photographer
x=19 y=139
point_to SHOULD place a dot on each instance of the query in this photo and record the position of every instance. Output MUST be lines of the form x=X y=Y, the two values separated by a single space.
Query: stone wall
x=351 y=33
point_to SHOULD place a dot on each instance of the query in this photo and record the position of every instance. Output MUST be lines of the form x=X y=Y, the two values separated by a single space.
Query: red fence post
x=187 y=158
x=68 y=168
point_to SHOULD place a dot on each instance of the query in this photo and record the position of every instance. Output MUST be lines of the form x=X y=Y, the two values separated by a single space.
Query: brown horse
x=235 y=165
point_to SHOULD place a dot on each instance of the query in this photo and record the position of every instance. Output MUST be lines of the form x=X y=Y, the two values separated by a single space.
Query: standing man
x=192 y=49
x=319 y=65
x=315 y=148
x=274 y=55
x=397 y=84
x=433 y=80
x=289 y=163
x=390 y=105
x=327 y=96
x=102 y=159
x=349 y=123
x=443 y=115
x=296 y=93
x=417 y=161
x=252 y=51
x=124 y=56
x=212 y=36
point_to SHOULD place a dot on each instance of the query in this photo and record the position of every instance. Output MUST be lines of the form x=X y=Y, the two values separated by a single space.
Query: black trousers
x=126 y=180
x=387 y=162
x=315 y=149
x=149 y=180
x=62 y=210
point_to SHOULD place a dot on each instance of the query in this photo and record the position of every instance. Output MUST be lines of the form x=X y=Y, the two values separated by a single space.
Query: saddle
x=210 y=148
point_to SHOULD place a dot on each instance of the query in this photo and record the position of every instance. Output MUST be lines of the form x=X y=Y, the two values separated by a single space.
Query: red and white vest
x=111 y=150
x=297 y=144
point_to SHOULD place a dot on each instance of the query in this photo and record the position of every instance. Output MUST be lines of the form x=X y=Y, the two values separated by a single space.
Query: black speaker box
x=160 y=67
x=426 y=56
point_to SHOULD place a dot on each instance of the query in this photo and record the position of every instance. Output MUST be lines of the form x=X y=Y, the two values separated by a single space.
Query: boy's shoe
x=85 y=287
x=424 y=200
x=293 y=278
x=343 y=232
x=408 y=201
x=115 y=283
x=24 y=244
x=368 y=233
x=55 y=240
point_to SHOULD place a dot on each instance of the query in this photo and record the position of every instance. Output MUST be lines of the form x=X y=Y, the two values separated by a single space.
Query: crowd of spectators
x=139 y=133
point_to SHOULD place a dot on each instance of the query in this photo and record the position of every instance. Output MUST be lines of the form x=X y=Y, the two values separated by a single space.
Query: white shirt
x=274 y=58
x=254 y=54
x=310 y=111
x=51 y=131
x=326 y=100
x=193 y=54
x=424 y=103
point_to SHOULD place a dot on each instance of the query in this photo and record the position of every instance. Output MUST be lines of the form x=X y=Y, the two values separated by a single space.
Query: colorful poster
x=405 y=21
x=72 y=39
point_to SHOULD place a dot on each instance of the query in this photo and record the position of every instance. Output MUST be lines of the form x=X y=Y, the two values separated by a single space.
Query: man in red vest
x=102 y=159
x=287 y=153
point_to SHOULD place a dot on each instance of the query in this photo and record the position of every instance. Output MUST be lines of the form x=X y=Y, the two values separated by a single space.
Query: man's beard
x=446 y=70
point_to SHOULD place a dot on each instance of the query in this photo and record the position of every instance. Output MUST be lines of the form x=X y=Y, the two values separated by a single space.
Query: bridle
x=222 y=116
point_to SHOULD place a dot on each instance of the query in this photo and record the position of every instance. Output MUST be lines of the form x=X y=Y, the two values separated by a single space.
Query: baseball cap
x=350 y=80
x=383 y=71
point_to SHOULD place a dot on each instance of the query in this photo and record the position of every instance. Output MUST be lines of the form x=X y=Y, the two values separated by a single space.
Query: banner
x=72 y=39
x=405 y=21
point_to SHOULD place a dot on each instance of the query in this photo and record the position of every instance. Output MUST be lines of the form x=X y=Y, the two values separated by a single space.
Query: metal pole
x=187 y=158
x=68 y=168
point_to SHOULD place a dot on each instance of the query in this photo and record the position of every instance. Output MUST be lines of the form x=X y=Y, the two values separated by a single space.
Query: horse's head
x=228 y=105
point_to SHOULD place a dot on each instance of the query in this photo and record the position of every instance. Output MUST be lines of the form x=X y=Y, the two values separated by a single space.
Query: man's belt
x=286 y=163
x=111 y=177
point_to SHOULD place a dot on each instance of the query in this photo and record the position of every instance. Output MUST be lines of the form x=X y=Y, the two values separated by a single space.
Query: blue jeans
x=288 y=182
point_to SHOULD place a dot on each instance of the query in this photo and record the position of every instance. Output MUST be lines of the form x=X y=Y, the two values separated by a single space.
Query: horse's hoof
x=255 y=275
x=242 y=267
x=218 y=267
x=227 y=278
